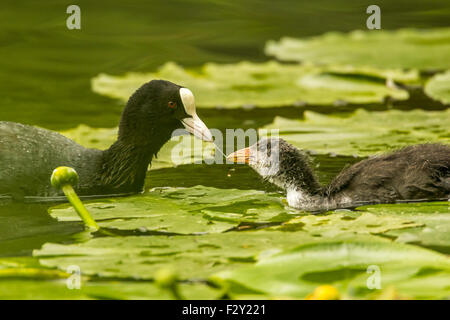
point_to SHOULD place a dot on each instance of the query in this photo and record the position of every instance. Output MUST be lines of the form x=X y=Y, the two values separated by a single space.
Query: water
x=45 y=73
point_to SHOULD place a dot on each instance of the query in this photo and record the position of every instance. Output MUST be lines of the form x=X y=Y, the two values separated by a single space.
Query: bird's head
x=158 y=108
x=274 y=160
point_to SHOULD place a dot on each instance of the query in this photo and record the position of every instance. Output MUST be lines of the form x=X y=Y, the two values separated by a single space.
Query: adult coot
x=28 y=154
x=419 y=172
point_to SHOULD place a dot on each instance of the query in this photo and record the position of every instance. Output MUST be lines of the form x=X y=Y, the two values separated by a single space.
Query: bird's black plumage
x=418 y=172
x=411 y=173
x=29 y=154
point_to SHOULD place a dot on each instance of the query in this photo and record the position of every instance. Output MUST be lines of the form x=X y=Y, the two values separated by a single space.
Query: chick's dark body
x=412 y=173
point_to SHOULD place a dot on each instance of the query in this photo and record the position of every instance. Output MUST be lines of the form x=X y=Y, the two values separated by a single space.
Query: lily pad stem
x=79 y=207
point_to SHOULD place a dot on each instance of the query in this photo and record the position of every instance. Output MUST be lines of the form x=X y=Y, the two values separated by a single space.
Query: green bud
x=165 y=278
x=62 y=176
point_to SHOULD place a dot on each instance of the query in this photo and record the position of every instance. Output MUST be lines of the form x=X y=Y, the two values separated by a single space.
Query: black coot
x=28 y=154
x=418 y=172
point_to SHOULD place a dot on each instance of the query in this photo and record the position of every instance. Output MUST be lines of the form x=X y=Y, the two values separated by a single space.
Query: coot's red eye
x=172 y=104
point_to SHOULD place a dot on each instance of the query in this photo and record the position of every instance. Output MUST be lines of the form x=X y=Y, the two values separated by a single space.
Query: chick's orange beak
x=240 y=156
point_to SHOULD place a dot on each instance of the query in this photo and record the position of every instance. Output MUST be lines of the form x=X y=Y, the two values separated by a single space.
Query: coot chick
x=28 y=154
x=418 y=172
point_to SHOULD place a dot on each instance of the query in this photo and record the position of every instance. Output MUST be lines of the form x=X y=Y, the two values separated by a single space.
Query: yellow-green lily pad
x=268 y=84
x=357 y=267
x=139 y=257
x=33 y=289
x=438 y=87
x=364 y=132
x=434 y=218
x=398 y=49
x=183 y=210
x=345 y=222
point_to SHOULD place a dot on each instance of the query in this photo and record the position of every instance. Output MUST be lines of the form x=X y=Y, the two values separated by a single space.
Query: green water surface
x=46 y=69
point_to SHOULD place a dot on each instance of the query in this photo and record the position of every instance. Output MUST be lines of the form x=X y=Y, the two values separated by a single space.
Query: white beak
x=193 y=124
x=196 y=127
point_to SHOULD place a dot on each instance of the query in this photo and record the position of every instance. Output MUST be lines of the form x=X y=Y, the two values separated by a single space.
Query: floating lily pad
x=433 y=216
x=58 y=290
x=18 y=262
x=344 y=264
x=438 y=87
x=248 y=84
x=201 y=255
x=204 y=209
x=179 y=150
x=342 y=222
x=96 y=138
x=363 y=132
x=400 y=49
x=404 y=76
x=185 y=211
x=24 y=278
x=139 y=257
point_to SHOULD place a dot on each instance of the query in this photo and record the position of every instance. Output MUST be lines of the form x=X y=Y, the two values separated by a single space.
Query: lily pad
x=438 y=87
x=344 y=264
x=342 y=222
x=179 y=150
x=363 y=132
x=200 y=255
x=139 y=257
x=96 y=138
x=433 y=216
x=184 y=211
x=24 y=278
x=13 y=289
x=400 y=49
x=411 y=76
x=248 y=84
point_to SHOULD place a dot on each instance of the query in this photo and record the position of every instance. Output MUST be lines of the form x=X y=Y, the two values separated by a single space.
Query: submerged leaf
x=363 y=132
x=400 y=49
x=266 y=84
